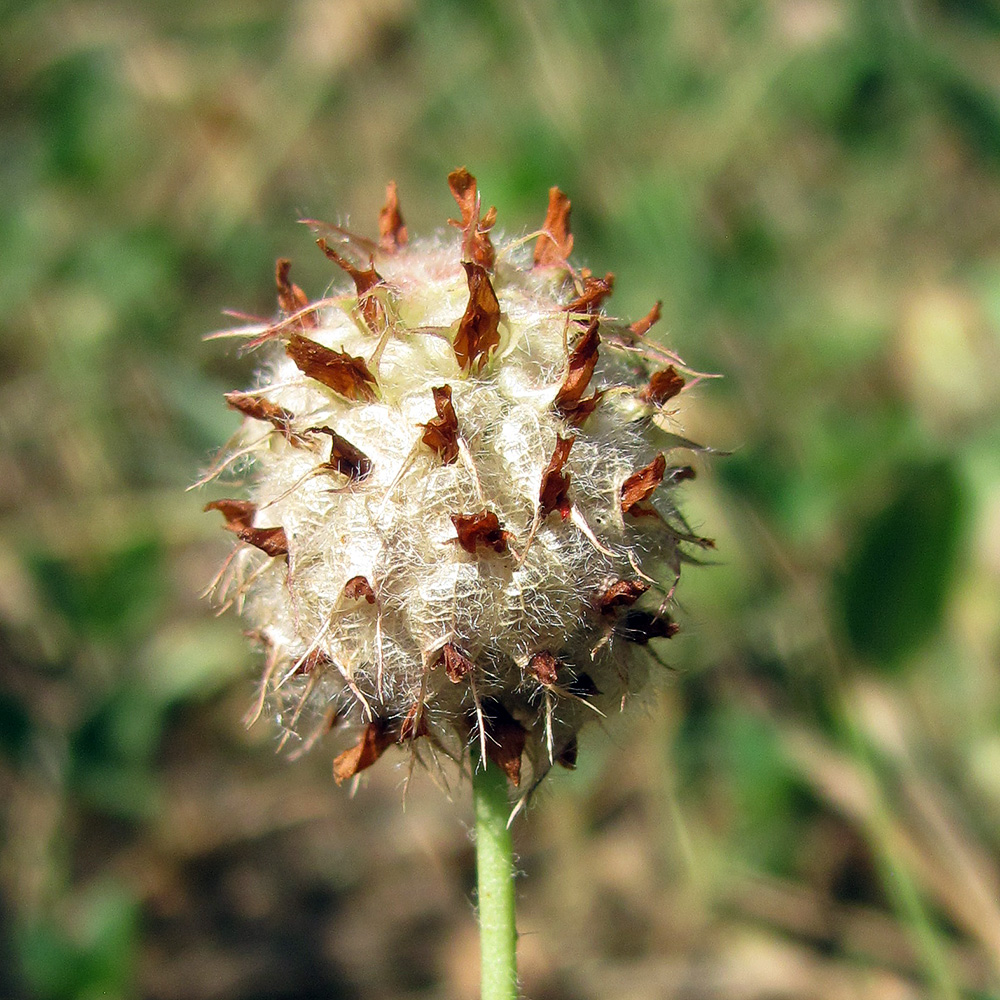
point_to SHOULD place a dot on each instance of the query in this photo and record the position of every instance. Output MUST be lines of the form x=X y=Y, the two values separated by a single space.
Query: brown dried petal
x=238 y=513
x=664 y=385
x=271 y=541
x=263 y=409
x=373 y=743
x=556 y=242
x=441 y=432
x=345 y=458
x=640 y=626
x=595 y=291
x=480 y=529
x=621 y=594
x=391 y=228
x=554 y=493
x=567 y=756
x=376 y=738
x=357 y=588
x=505 y=738
x=239 y=516
x=642 y=484
x=478 y=330
x=476 y=245
x=583 y=409
x=336 y=370
x=582 y=362
x=544 y=667
x=365 y=282
x=406 y=728
x=641 y=326
x=457 y=665
x=291 y=298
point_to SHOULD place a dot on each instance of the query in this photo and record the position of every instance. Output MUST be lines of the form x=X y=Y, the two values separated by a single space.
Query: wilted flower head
x=460 y=525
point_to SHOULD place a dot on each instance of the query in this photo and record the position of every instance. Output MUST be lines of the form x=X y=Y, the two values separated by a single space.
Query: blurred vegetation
x=810 y=805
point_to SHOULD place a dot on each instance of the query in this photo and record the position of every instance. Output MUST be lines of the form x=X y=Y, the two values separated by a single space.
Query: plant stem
x=495 y=878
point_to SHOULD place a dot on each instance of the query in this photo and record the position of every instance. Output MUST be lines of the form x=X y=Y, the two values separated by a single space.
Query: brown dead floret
x=375 y=739
x=391 y=229
x=345 y=458
x=457 y=663
x=239 y=515
x=291 y=298
x=580 y=369
x=480 y=529
x=640 y=626
x=663 y=386
x=544 y=667
x=337 y=370
x=556 y=242
x=358 y=588
x=641 y=485
x=554 y=492
x=441 y=432
x=259 y=408
x=595 y=291
x=621 y=594
x=365 y=282
x=476 y=244
x=641 y=326
x=479 y=328
x=505 y=739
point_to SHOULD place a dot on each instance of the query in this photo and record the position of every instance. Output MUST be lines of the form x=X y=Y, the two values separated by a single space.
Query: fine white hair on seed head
x=460 y=526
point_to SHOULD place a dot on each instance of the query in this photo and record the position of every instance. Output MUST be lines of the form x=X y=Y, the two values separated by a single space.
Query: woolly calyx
x=460 y=523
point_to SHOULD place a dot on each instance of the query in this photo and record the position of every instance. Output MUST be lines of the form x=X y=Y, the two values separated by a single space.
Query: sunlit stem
x=495 y=878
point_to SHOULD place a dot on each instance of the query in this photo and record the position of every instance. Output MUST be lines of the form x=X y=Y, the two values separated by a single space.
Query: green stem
x=495 y=877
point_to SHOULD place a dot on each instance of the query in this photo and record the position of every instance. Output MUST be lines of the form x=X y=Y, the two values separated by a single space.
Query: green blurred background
x=808 y=804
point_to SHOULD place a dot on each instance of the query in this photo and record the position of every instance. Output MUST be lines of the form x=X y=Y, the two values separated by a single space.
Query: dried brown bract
x=642 y=485
x=554 y=492
x=239 y=515
x=345 y=458
x=663 y=386
x=457 y=663
x=261 y=409
x=642 y=326
x=365 y=282
x=391 y=228
x=376 y=738
x=441 y=432
x=358 y=588
x=555 y=244
x=479 y=328
x=291 y=298
x=505 y=739
x=595 y=291
x=582 y=362
x=480 y=529
x=640 y=626
x=621 y=593
x=476 y=244
x=337 y=370
x=544 y=667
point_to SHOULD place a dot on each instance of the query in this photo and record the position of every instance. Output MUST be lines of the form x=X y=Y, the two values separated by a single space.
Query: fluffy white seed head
x=460 y=524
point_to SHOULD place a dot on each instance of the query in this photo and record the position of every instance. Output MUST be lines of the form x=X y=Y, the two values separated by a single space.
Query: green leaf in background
x=105 y=596
x=87 y=951
x=897 y=583
x=974 y=112
x=112 y=753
